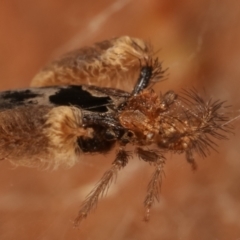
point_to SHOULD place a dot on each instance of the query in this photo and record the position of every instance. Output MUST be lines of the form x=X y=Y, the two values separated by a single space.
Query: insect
x=64 y=116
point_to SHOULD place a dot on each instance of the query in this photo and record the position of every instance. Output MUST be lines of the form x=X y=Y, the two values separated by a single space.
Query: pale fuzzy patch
x=125 y=52
x=63 y=126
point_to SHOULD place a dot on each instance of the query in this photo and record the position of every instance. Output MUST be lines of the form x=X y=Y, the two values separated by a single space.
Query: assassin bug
x=62 y=118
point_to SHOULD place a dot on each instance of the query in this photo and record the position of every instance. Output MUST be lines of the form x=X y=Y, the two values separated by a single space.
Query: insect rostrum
x=59 y=122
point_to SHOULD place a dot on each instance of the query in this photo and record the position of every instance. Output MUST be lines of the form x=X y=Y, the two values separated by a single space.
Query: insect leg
x=150 y=71
x=101 y=188
x=143 y=80
x=154 y=186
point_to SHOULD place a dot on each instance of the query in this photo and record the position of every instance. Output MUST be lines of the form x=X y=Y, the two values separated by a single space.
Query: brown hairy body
x=54 y=126
x=113 y=62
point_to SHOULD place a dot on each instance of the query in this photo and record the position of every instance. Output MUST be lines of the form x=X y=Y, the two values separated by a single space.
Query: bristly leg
x=151 y=72
x=156 y=158
x=101 y=188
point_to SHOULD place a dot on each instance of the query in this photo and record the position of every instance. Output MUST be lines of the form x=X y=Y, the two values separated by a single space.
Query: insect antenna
x=204 y=121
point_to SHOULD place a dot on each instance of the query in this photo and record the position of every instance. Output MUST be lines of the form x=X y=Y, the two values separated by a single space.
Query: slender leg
x=153 y=157
x=102 y=186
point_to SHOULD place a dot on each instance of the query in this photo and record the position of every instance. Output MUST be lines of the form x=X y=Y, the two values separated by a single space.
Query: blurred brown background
x=200 y=43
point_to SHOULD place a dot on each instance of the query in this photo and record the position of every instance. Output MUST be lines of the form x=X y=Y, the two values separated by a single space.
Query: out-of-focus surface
x=200 y=43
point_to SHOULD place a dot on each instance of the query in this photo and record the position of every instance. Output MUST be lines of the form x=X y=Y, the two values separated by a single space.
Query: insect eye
x=127 y=136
